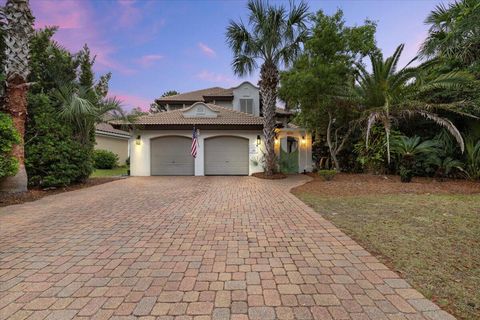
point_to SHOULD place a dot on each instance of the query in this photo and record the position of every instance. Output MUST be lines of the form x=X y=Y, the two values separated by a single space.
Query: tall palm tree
x=387 y=94
x=17 y=25
x=454 y=32
x=272 y=37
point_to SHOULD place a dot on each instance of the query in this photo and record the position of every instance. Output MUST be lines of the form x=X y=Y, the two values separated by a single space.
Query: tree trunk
x=16 y=106
x=333 y=151
x=268 y=90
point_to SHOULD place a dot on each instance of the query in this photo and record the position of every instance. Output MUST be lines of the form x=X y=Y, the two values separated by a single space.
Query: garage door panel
x=226 y=156
x=171 y=156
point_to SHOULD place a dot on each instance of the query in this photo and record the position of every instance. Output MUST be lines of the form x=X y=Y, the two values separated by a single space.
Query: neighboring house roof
x=108 y=129
x=224 y=116
x=197 y=95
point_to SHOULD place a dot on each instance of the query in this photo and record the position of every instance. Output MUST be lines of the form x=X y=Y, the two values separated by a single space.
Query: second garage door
x=226 y=156
x=170 y=156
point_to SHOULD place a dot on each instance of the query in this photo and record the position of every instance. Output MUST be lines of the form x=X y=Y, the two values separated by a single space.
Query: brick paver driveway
x=191 y=248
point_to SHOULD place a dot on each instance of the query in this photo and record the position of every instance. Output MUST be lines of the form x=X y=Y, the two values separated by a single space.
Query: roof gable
x=199 y=110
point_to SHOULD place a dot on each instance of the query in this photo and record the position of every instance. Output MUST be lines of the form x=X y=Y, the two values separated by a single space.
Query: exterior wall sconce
x=276 y=138
x=303 y=140
x=259 y=140
x=138 y=141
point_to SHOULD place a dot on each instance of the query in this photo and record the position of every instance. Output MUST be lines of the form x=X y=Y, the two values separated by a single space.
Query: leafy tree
x=386 y=94
x=17 y=30
x=8 y=138
x=170 y=93
x=272 y=37
x=324 y=72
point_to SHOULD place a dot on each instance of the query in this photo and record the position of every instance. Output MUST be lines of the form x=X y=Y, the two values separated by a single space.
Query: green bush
x=8 y=137
x=104 y=159
x=53 y=156
x=327 y=175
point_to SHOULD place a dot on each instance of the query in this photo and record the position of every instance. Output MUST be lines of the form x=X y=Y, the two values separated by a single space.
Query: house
x=114 y=140
x=230 y=140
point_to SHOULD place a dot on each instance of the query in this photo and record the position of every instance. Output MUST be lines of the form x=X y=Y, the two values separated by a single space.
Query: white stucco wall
x=247 y=91
x=140 y=154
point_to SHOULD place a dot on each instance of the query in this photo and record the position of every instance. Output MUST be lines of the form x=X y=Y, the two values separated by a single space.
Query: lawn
x=427 y=231
x=120 y=171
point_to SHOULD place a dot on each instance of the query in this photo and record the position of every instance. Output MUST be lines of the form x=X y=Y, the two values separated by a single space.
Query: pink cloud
x=78 y=26
x=131 y=101
x=207 y=50
x=149 y=59
x=214 y=77
x=129 y=15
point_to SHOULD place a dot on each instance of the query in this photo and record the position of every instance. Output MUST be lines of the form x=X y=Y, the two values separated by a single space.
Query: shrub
x=8 y=137
x=472 y=153
x=104 y=159
x=53 y=157
x=327 y=175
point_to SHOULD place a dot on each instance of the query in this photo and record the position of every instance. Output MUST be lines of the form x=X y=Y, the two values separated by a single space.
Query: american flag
x=194 y=148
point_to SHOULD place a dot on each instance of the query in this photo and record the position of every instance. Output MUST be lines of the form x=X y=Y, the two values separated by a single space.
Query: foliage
x=408 y=150
x=53 y=157
x=288 y=162
x=327 y=175
x=323 y=72
x=170 y=93
x=8 y=137
x=472 y=154
x=373 y=157
x=104 y=159
x=272 y=37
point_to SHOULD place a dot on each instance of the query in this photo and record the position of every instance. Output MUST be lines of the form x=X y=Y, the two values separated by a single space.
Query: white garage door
x=226 y=156
x=170 y=156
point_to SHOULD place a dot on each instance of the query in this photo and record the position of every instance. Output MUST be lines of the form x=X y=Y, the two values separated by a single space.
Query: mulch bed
x=7 y=199
x=344 y=184
x=275 y=176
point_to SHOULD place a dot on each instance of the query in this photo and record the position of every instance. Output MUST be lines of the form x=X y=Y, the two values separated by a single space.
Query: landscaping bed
x=7 y=199
x=428 y=231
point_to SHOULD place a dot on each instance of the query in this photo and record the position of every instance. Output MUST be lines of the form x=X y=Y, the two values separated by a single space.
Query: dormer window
x=246 y=105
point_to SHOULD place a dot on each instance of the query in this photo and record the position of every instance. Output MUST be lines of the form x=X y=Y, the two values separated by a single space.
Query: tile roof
x=198 y=95
x=108 y=128
x=225 y=116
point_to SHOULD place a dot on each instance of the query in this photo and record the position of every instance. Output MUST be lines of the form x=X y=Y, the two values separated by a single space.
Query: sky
x=152 y=46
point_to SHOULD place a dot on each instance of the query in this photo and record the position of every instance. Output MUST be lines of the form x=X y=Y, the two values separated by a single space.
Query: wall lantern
x=303 y=140
x=259 y=140
x=276 y=138
x=138 y=141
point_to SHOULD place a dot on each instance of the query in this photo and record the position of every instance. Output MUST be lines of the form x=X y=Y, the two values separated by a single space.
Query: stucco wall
x=116 y=145
x=246 y=91
x=140 y=154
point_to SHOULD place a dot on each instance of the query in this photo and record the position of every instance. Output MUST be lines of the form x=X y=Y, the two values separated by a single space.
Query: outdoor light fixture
x=139 y=140
x=276 y=138
x=259 y=140
x=303 y=140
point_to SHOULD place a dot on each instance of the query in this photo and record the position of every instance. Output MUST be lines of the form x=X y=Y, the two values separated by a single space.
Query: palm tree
x=387 y=94
x=408 y=150
x=454 y=32
x=273 y=38
x=84 y=107
x=17 y=25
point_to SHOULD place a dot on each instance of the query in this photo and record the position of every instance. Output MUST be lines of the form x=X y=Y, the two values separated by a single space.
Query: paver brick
x=191 y=248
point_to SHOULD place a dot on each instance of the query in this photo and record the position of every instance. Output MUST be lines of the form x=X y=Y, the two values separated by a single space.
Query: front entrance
x=289 y=154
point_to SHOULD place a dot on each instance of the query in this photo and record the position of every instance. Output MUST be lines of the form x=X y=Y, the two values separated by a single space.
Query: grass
x=98 y=173
x=432 y=240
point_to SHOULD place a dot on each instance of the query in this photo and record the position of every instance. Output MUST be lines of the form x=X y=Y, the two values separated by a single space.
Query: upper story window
x=246 y=105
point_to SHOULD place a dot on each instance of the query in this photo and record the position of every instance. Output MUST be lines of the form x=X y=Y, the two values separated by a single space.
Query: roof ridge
x=232 y=110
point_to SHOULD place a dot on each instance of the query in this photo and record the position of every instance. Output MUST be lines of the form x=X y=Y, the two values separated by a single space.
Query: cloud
x=207 y=50
x=130 y=101
x=214 y=77
x=78 y=26
x=128 y=14
x=149 y=59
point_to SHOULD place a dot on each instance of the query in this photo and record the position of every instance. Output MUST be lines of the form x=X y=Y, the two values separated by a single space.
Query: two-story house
x=228 y=125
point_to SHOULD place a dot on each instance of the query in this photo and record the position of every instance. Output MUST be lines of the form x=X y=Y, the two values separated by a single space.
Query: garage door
x=226 y=156
x=170 y=156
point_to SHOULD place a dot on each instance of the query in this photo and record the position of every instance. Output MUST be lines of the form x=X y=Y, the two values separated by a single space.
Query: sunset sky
x=154 y=46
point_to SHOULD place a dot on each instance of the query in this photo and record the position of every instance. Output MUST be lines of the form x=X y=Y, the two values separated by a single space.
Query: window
x=246 y=105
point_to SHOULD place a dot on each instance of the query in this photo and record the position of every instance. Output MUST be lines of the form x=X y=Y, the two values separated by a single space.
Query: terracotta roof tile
x=108 y=128
x=225 y=116
x=198 y=95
